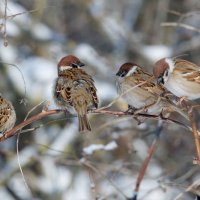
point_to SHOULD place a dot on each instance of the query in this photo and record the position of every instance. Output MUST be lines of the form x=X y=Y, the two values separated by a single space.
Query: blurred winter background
x=58 y=162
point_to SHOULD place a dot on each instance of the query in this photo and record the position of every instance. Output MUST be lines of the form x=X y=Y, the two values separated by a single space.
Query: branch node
x=46 y=106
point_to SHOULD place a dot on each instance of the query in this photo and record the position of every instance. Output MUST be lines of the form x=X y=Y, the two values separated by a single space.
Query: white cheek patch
x=133 y=69
x=62 y=68
x=165 y=76
x=170 y=63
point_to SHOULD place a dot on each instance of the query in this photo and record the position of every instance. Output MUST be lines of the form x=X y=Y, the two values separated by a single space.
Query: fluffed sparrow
x=7 y=115
x=75 y=90
x=140 y=92
x=180 y=77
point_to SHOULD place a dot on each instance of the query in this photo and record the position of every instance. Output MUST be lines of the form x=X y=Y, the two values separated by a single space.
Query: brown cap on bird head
x=125 y=68
x=159 y=68
x=71 y=61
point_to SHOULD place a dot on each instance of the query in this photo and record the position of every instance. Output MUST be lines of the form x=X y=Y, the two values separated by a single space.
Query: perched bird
x=180 y=77
x=140 y=92
x=7 y=115
x=75 y=90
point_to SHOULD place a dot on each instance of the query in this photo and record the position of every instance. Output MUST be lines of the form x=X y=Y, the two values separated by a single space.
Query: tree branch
x=195 y=135
x=30 y=120
x=176 y=24
x=45 y=113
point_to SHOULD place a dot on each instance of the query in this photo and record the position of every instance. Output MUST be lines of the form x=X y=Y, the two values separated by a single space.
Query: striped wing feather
x=190 y=71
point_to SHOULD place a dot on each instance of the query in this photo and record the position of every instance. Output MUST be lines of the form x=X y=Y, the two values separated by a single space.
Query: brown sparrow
x=140 y=92
x=75 y=90
x=7 y=115
x=180 y=77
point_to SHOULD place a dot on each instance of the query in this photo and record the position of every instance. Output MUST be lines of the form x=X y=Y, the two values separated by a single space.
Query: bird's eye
x=74 y=65
x=166 y=73
x=162 y=81
x=121 y=73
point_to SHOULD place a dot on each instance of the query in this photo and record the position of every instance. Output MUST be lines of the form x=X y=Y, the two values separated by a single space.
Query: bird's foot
x=130 y=110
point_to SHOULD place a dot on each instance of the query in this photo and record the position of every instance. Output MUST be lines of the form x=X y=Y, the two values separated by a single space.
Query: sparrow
x=75 y=90
x=180 y=77
x=7 y=115
x=138 y=89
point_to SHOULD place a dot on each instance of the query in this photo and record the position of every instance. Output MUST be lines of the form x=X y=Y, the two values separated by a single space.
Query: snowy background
x=57 y=161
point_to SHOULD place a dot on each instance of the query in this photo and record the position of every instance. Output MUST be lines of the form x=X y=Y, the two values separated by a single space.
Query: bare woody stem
x=30 y=120
x=146 y=161
x=45 y=113
x=144 y=166
x=194 y=129
x=195 y=135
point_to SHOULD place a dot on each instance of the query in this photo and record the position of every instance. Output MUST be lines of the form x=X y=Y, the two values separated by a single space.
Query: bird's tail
x=84 y=124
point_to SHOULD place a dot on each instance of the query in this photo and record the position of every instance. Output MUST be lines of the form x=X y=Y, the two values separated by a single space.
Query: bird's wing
x=189 y=71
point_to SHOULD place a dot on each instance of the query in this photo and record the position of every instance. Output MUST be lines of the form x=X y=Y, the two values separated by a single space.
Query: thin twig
x=17 y=148
x=24 y=82
x=111 y=123
x=191 y=188
x=25 y=12
x=183 y=15
x=97 y=170
x=13 y=131
x=121 y=95
x=174 y=12
x=176 y=24
x=193 y=128
x=195 y=135
x=144 y=115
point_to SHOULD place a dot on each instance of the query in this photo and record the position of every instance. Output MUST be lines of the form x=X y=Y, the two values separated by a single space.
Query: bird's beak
x=80 y=64
x=120 y=73
x=160 y=80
